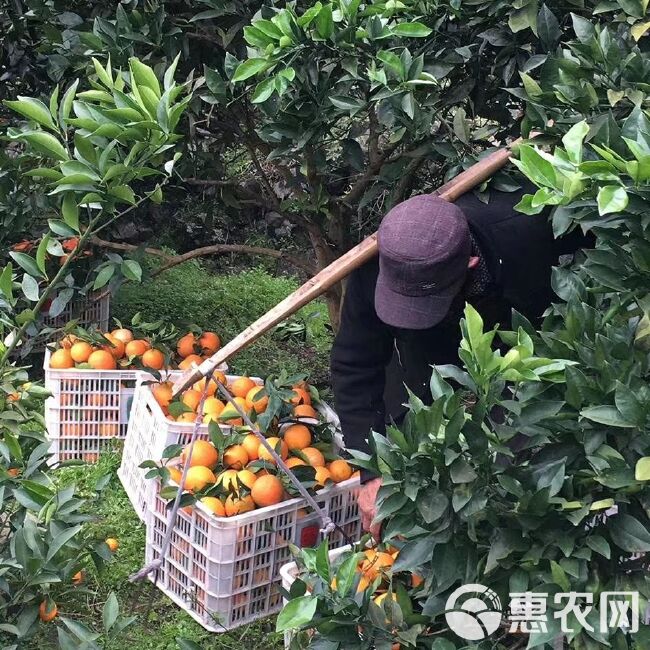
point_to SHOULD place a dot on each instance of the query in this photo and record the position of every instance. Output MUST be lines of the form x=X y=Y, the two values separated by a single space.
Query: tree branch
x=221 y=249
x=373 y=136
x=204 y=37
x=406 y=181
x=212 y=182
x=215 y=249
x=103 y=243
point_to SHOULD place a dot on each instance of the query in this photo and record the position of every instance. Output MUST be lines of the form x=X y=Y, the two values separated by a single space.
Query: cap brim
x=411 y=312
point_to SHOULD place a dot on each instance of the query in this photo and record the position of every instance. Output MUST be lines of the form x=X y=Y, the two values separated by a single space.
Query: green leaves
x=351 y=104
x=131 y=270
x=411 y=30
x=629 y=534
x=250 y=68
x=324 y=22
x=642 y=469
x=605 y=414
x=612 y=198
x=296 y=613
x=573 y=141
x=70 y=211
x=144 y=76
x=263 y=91
x=45 y=143
x=535 y=166
x=393 y=63
x=33 y=109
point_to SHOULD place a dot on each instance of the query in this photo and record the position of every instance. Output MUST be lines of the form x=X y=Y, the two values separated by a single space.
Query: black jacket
x=372 y=361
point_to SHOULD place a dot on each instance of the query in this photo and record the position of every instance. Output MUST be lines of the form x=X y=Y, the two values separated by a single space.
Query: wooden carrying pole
x=335 y=272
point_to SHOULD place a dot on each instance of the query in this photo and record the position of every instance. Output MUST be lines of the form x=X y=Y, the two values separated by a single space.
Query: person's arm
x=360 y=354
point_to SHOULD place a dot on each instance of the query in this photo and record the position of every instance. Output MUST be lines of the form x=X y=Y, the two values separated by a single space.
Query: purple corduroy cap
x=424 y=249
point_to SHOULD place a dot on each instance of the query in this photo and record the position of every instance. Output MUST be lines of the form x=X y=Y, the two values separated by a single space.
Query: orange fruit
x=305 y=411
x=204 y=453
x=297 y=436
x=175 y=474
x=246 y=477
x=80 y=351
x=47 y=611
x=314 y=456
x=112 y=544
x=162 y=393
x=213 y=406
x=209 y=342
x=78 y=578
x=102 y=360
x=238 y=505
x=258 y=405
x=295 y=462
x=186 y=417
x=124 y=335
x=13 y=472
x=154 y=359
x=198 y=477
x=282 y=450
x=116 y=347
x=340 y=470
x=376 y=562
x=235 y=457
x=230 y=412
x=228 y=480
x=61 y=360
x=186 y=345
x=251 y=444
x=267 y=491
x=300 y=396
x=189 y=361
x=322 y=475
x=191 y=398
x=136 y=348
x=416 y=580
x=200 y=386
x=214 y=505
x=241 y=386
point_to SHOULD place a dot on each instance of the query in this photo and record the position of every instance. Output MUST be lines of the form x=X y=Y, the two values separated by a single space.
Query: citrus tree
x=96 y=153
x=101 y=153
x=524 y=483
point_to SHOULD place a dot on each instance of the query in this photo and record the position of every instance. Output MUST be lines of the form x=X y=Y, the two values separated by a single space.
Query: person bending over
x=401 y=313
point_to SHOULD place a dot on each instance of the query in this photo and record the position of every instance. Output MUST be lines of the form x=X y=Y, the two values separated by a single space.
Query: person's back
x=401 y=312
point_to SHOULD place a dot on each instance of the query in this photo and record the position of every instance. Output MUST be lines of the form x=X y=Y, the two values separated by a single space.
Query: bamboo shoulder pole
x=336 y=271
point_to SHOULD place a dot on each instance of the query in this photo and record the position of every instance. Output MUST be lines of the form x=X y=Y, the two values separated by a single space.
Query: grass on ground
x=191 y=294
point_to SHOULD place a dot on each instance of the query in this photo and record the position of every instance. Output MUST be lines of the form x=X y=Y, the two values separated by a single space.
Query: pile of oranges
x=375 y=570
x=243 y=475
x=121 y=349
x=247 y=394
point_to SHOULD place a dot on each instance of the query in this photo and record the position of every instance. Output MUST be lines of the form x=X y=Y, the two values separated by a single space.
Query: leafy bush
x=190 y=294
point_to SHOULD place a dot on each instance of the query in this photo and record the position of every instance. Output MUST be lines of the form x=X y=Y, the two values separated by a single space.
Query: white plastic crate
x=149 y=433
x=225 y=571
x=91 y=309
x=88 y=408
